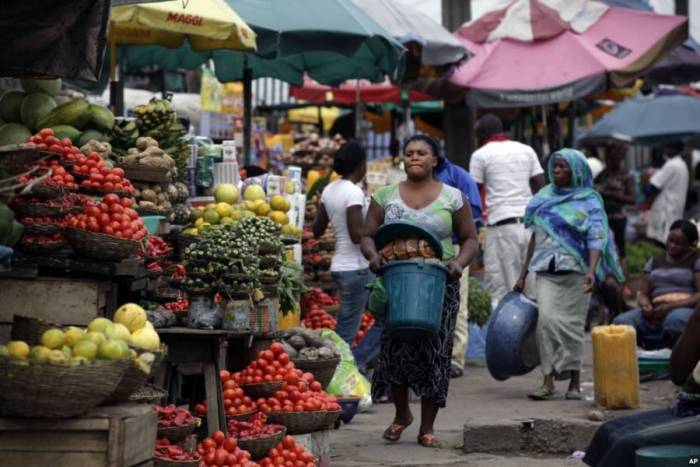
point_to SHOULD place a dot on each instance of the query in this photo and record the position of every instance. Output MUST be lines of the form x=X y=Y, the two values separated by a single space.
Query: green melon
x=60 y=100
x=45 y=86
x=101 y=118
x=6 y=218
x=14 y=235
x=75 y=113
x=14 y=133
x=36 y=107
x=10 y=105
x=66 y=131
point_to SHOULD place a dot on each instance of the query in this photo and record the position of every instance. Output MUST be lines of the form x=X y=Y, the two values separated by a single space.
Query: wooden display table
x=112 y=436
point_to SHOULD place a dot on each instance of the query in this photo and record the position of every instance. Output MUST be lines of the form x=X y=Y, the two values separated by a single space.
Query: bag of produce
x=347 y=380
x=204 y=313
x=377 y=298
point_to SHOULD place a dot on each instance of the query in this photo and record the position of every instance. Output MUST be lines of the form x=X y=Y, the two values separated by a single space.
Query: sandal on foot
x=543 y=394
x=428 y=440
x=393 y=433
x=573 y=394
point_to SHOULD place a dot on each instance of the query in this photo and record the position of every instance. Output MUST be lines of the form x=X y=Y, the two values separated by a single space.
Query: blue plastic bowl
x=511 y=343
x=349 y=406
x=151 y=223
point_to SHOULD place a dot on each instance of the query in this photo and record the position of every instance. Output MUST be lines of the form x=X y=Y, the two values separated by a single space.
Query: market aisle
x=476 y=399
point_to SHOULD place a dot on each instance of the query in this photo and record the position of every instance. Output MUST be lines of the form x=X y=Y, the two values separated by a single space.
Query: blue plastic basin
x=151 y=223
x=511 y=344
x=415 y=293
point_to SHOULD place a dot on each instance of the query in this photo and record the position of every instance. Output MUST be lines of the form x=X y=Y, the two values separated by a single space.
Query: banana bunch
x=124 y=135
x=158 y=115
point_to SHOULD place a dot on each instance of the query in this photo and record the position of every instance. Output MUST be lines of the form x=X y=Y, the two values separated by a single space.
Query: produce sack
x=377 y=298
x=204 y=313
x=347 y=380
x=50 y=38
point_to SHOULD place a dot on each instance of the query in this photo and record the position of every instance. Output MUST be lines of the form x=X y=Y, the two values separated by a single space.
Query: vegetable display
x=291 y=286
x=219 y=450
x=637 y=255
x=113 y=216
x=479 y=303
x=171 y=416
x=165 y=450
x=307 y=344
x=286 y=453
x=318 y=318
x=254 y=428
x=365 y=324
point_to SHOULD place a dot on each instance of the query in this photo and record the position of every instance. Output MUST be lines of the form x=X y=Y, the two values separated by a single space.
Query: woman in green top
x=423 y=366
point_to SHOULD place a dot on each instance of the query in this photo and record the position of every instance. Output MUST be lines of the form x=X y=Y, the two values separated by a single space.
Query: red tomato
x=283 y=358
x=230 y=444
x=276 y=348
x=109 y=186
x=267 y=355
x=126 y=202
x=218 y=438
x=111 y=199
x=116 y=207
x=209 y=443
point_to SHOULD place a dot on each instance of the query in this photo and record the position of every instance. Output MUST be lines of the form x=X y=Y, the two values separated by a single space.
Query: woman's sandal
x=543 y=394
x=428 y=440
x=574 y=395
x=393 y=433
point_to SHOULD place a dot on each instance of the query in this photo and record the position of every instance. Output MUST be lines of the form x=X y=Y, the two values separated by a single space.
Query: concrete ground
x=496 y=421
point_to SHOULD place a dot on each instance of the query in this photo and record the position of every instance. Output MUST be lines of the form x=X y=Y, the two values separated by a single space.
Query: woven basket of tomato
x=174 y=423
x=288 y=452
x=98 y=178
x=111 y=230
x=42 y=225
x=40 y=244
x=220 y=449
x=256 y=436
x=167 y=454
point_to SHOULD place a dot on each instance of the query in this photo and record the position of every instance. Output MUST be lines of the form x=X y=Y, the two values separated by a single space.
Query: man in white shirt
x=511 y=173
x=668 y=187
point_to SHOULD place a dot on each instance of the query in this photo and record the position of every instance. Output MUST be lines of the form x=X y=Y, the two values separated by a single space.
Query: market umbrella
x=408 y=24
x=679 y=66
x=205 y=24
x=352 y=90
x=535 y=52
x=648 y=120
x=49 y=38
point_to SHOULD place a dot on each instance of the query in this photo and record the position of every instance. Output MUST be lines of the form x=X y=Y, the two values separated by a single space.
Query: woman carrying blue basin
x=422 y=365
x=569 y=249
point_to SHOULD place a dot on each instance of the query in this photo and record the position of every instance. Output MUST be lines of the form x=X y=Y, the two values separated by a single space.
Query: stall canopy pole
x=545 y=134
x=247 y=111
x=358 y=111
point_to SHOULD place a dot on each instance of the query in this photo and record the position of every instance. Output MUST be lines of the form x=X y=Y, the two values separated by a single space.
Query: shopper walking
x=510 y=173
x=569 y=248
x=668 y=188
x=424 y=365
x=343 y=204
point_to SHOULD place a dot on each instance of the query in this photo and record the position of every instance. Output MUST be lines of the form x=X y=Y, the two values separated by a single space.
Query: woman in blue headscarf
x=569 y=249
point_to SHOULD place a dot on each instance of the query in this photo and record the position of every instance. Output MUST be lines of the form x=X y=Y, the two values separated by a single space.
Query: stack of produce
x=124 y=135
x=407 y=249
x=227 y=210
x=150 y=156
x=312 y=151
x=99 y=178
x=155 y=198
x=318 y=255
x=317 y=298
x=158 y=120
x=173 y=417
x=254 y=428
x=291 y=286
x=112 y=216
x=38 y=106
x=219 y=450
x=174 y=453
x=317 y=318
x=235 y=400
x=306 y=344
x=101 y=340
x=288 y=452
x=156 y=253
x=365 y=324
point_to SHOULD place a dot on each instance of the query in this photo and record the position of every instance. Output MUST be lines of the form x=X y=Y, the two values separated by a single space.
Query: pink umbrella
x=535 y=52
x=348 y=92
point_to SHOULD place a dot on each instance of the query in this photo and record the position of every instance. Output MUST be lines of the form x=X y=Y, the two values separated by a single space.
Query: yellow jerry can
x=615 y=368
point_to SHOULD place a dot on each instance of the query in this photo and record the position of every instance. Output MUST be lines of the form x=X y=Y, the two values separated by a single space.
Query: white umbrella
x=408 y=24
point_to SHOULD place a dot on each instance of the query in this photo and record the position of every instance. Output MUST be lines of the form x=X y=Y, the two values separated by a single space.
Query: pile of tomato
x=101 y=177
x=366 y=323
x=271 y=365
x=58 y=221
x=235 y=400
x=59 y=177
x=317 y=298
x=255 y=428
x=223 y=451
x=171 y=416
x=294 y=399
x=318 y=318
x=44 y=239
x=46 y=141
x=288 y=453
x=113 y=216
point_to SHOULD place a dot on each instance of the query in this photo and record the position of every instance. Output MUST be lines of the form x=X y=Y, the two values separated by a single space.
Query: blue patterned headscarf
x=574 y=216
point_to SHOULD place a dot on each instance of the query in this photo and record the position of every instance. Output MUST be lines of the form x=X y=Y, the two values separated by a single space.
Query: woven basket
x=298 y=423
x=101 y=193
x=331 y=419
x=146 y=174
x=101 y=246
x=259 y=447
x=148 y=394
x=49 y=391
x=29 y=330
x=266 y=249
x=268 y=262
x=269 y=280
x=241 y=417
x=172 y=463
x=257 y=390
x=41 y=228
x=37 y=210
x=323 y=370
x=41 y=248
x=134 y=378
x=45 y=191
x=177 y=433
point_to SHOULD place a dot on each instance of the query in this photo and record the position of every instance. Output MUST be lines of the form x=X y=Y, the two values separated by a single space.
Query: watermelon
x=10 y=105
x=50 y=87
x=14 y=133
x=36 y=107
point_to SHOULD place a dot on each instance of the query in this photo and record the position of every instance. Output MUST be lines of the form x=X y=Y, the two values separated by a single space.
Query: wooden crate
x=113 y=436
x=56 y=300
